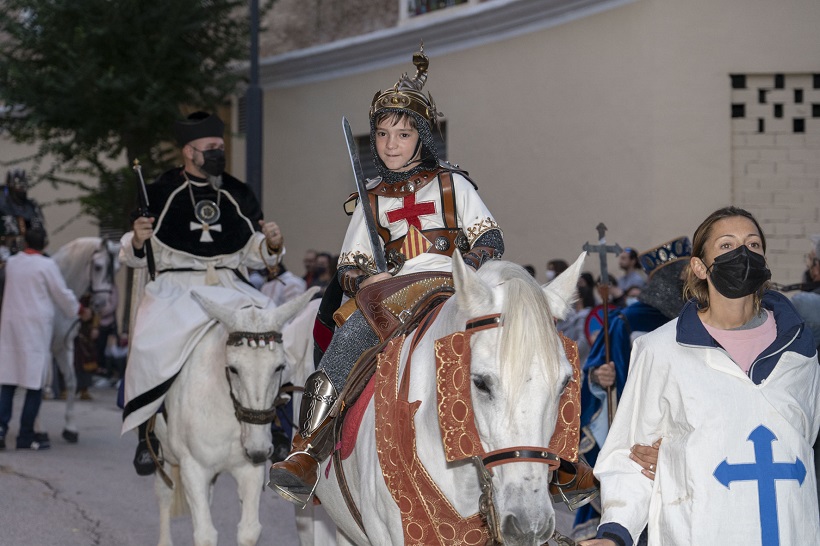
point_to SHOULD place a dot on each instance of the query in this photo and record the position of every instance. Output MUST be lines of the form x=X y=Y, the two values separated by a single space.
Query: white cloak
x=170 y=322
x=708 y=412
x=35 y=292
x=284 y=288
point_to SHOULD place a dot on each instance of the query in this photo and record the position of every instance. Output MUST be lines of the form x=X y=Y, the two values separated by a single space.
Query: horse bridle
x=109 y=273
x=485 y=461
x=253 y=340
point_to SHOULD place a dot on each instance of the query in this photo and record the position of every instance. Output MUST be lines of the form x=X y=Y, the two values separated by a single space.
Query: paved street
x=88 y=493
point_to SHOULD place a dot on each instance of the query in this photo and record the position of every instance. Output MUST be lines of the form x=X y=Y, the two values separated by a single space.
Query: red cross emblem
x=411 y=211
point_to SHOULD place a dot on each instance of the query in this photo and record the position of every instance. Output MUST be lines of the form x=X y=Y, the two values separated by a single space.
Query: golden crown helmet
x=407 y=93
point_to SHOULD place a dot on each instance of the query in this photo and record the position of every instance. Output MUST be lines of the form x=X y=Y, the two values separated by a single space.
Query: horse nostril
x=257 y=457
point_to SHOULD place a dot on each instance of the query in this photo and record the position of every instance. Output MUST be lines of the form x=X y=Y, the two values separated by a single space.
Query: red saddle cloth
x=353 y=420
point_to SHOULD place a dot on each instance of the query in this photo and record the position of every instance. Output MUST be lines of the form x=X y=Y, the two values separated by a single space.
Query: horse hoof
x=70 y=436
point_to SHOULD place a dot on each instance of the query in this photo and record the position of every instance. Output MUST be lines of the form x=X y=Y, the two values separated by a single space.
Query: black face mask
x=213 y=162
x=739 y=273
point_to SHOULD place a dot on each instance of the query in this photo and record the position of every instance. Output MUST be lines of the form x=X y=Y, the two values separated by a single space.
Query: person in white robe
x=284 y=286
x=206 y=229
x=35 y=293
x=732 y=387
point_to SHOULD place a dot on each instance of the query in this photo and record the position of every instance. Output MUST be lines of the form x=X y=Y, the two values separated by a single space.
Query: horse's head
x=88 y=265
x=518 y=372
x=254 y=365
x=103 y=266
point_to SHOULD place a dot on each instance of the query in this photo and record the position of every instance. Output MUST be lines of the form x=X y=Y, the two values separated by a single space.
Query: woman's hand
x=647 y=457
x=604 y=375
x=143 y=230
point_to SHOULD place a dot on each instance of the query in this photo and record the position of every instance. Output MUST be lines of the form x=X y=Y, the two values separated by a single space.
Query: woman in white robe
x=733 y=389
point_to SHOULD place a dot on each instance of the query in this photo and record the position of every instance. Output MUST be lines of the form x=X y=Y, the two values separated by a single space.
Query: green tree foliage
x=92 y=81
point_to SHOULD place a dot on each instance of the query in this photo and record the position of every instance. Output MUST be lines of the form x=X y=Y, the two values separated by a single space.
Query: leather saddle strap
x=365 y=366
x=430 y=305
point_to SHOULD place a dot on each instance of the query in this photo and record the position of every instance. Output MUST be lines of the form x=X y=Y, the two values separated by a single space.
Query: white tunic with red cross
x=415 y=213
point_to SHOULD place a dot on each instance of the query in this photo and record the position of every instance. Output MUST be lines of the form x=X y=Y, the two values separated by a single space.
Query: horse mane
x=528 y=335
x=73 y=260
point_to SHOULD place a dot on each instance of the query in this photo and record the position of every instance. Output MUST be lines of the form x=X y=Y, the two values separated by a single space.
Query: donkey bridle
x=256 y=340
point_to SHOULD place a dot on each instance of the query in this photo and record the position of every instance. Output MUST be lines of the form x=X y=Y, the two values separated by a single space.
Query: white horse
x=313 y=525
x=518 y=371
x=219 y=410
x=88 y=266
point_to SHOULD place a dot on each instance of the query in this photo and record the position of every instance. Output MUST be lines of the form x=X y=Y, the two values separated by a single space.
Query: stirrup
x=297 y=498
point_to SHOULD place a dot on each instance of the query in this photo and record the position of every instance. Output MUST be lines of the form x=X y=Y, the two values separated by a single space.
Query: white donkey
x=219 y=410
x=517 y=371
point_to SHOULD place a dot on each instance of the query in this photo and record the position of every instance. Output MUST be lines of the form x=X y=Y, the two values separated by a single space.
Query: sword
x=369 y=221
x=143 y=199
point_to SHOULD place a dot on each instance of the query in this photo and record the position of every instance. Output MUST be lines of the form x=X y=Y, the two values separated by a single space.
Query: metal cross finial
x=602 y=249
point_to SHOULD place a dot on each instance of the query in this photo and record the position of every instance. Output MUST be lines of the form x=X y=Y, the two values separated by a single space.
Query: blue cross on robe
x=765 y=472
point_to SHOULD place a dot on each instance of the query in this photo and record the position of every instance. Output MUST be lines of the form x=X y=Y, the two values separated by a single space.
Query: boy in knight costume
x=424 y=209
x=206 y=229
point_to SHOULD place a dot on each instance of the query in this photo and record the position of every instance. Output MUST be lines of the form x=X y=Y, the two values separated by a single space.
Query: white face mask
x=550 y=274
x=630 y=300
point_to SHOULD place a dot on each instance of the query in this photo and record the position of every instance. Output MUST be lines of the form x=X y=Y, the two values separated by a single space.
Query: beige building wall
x=621 y=116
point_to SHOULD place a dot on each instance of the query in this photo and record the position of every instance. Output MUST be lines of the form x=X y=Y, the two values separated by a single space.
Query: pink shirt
x=744 y=346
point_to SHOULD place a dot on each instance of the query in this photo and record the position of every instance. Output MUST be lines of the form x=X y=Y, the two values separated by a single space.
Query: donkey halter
x=516 y=454
x=260 y=341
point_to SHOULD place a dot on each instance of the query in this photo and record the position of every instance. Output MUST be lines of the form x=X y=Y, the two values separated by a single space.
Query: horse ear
x=562 y=292
x=291 y=308
x=224 y=314
x=472 y=295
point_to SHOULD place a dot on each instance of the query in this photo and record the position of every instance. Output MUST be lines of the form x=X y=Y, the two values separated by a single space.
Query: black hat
x=665 y=264
x=198 y=125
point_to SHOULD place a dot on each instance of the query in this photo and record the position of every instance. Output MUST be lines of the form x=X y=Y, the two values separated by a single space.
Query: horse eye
x=480 y=383
x=279 y=368
x=233 y=370
x=565 y=383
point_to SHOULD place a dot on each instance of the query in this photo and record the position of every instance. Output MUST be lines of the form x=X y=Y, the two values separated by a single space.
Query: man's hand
x=604 y=375
x=273 y=236
x=143 y=230
x=597 y=542
x=647 y=457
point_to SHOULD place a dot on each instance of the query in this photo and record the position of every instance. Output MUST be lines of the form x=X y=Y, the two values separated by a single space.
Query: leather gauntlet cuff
x=478 y=255
x=351 y=279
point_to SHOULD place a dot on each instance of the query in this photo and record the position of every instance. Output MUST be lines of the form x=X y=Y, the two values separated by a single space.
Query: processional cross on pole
x=602 y=249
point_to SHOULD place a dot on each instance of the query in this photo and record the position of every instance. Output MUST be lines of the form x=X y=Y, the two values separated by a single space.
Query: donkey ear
x=224 y=314
x=290 y=309
x=471 y=294
x=562 y=292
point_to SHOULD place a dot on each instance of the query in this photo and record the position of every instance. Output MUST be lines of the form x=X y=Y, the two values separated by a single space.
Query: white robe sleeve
x=625 y=492
x=64 y=299
x=127 y=256
x=474 y=217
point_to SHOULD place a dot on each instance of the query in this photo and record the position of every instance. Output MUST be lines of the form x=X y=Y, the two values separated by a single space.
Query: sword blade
x=364 y=201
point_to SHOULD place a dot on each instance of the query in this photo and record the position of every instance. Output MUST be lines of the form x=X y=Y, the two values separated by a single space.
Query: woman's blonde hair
x=698 y=288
